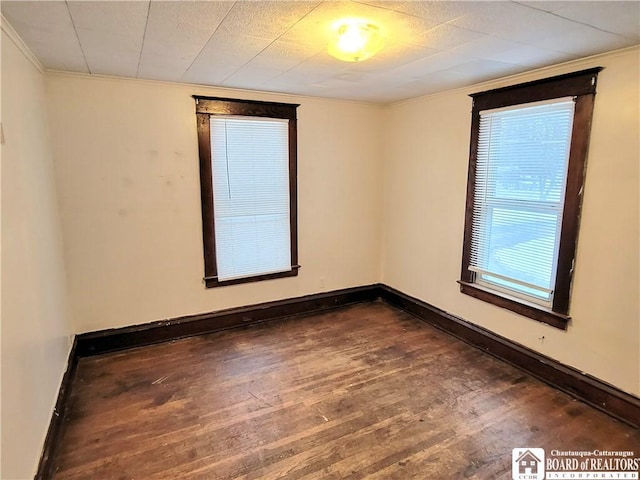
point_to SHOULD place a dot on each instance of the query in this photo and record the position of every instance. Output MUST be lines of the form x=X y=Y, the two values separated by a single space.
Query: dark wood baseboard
x=104 y=341
x=56 y=425
x=601 y=395
x=586 y=388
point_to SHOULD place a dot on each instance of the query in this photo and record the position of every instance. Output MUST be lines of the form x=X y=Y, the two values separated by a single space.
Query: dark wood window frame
x=207 y=107
x=582 y=86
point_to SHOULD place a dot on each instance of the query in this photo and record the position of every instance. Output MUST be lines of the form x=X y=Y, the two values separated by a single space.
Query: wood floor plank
x=366 y=391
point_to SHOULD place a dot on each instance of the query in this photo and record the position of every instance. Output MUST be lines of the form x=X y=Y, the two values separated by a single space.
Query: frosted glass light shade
x=355 y=40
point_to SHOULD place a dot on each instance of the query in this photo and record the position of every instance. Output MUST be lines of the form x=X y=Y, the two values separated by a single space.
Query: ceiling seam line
x=290 y=68
x=573 y=20
x=450 y=23
x=144 y=36
x=274 y=41
x=75 y=30
x=397 y=12
x=208 y=39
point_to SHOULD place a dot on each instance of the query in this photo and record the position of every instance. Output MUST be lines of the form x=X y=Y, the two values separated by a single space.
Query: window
x=248 y=189
x=526 y=172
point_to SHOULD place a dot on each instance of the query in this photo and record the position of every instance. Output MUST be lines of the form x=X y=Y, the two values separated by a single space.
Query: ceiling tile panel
x=433 y=63
x=530 y=56
x=252 y=77
x=111 y=34
x=622 y=18
x=432 y=83
x=481 y=70
x=275 y=60
x=120 y=59
x=247 y=30
x=582 y=40
x=321 y=66
x=487 y=47
x=343 y=81
x=512 y=21
x=285 y=55
x=433 y=13
x=125 y=17
x=551 y=5
x=446 y=36
x=301 y=80
x=47 y=28
x=306 y=74
x=393 y=57
x=175 y=34
x=264 y=18
x=222 y=56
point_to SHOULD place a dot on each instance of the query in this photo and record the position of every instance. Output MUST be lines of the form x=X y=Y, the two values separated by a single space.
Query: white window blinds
x=250 y=164
x=520 y=181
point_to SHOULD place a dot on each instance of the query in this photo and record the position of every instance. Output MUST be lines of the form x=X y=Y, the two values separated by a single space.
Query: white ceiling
x=280 y=46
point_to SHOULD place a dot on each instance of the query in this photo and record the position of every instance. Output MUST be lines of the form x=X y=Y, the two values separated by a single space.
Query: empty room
x=320 y=240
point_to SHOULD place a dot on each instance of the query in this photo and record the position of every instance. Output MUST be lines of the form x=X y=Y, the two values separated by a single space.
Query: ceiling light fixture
x=355 y=40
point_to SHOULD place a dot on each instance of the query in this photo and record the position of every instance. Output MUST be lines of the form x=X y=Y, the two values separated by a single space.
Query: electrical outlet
x=322 y=284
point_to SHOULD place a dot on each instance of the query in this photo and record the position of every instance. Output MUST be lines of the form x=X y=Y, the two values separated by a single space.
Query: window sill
x=519 y=306
x=213 y=282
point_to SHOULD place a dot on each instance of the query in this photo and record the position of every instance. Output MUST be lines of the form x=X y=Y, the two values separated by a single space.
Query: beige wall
x=35 y=329
x=424 y=199
x=127 y=171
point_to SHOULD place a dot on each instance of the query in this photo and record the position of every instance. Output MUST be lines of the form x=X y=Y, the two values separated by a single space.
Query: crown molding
x=22 y=46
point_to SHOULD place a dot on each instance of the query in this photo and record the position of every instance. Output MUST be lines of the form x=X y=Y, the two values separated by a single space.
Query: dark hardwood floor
x=366 y=391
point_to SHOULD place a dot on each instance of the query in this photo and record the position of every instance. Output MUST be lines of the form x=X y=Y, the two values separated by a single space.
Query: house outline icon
x=528 y=463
